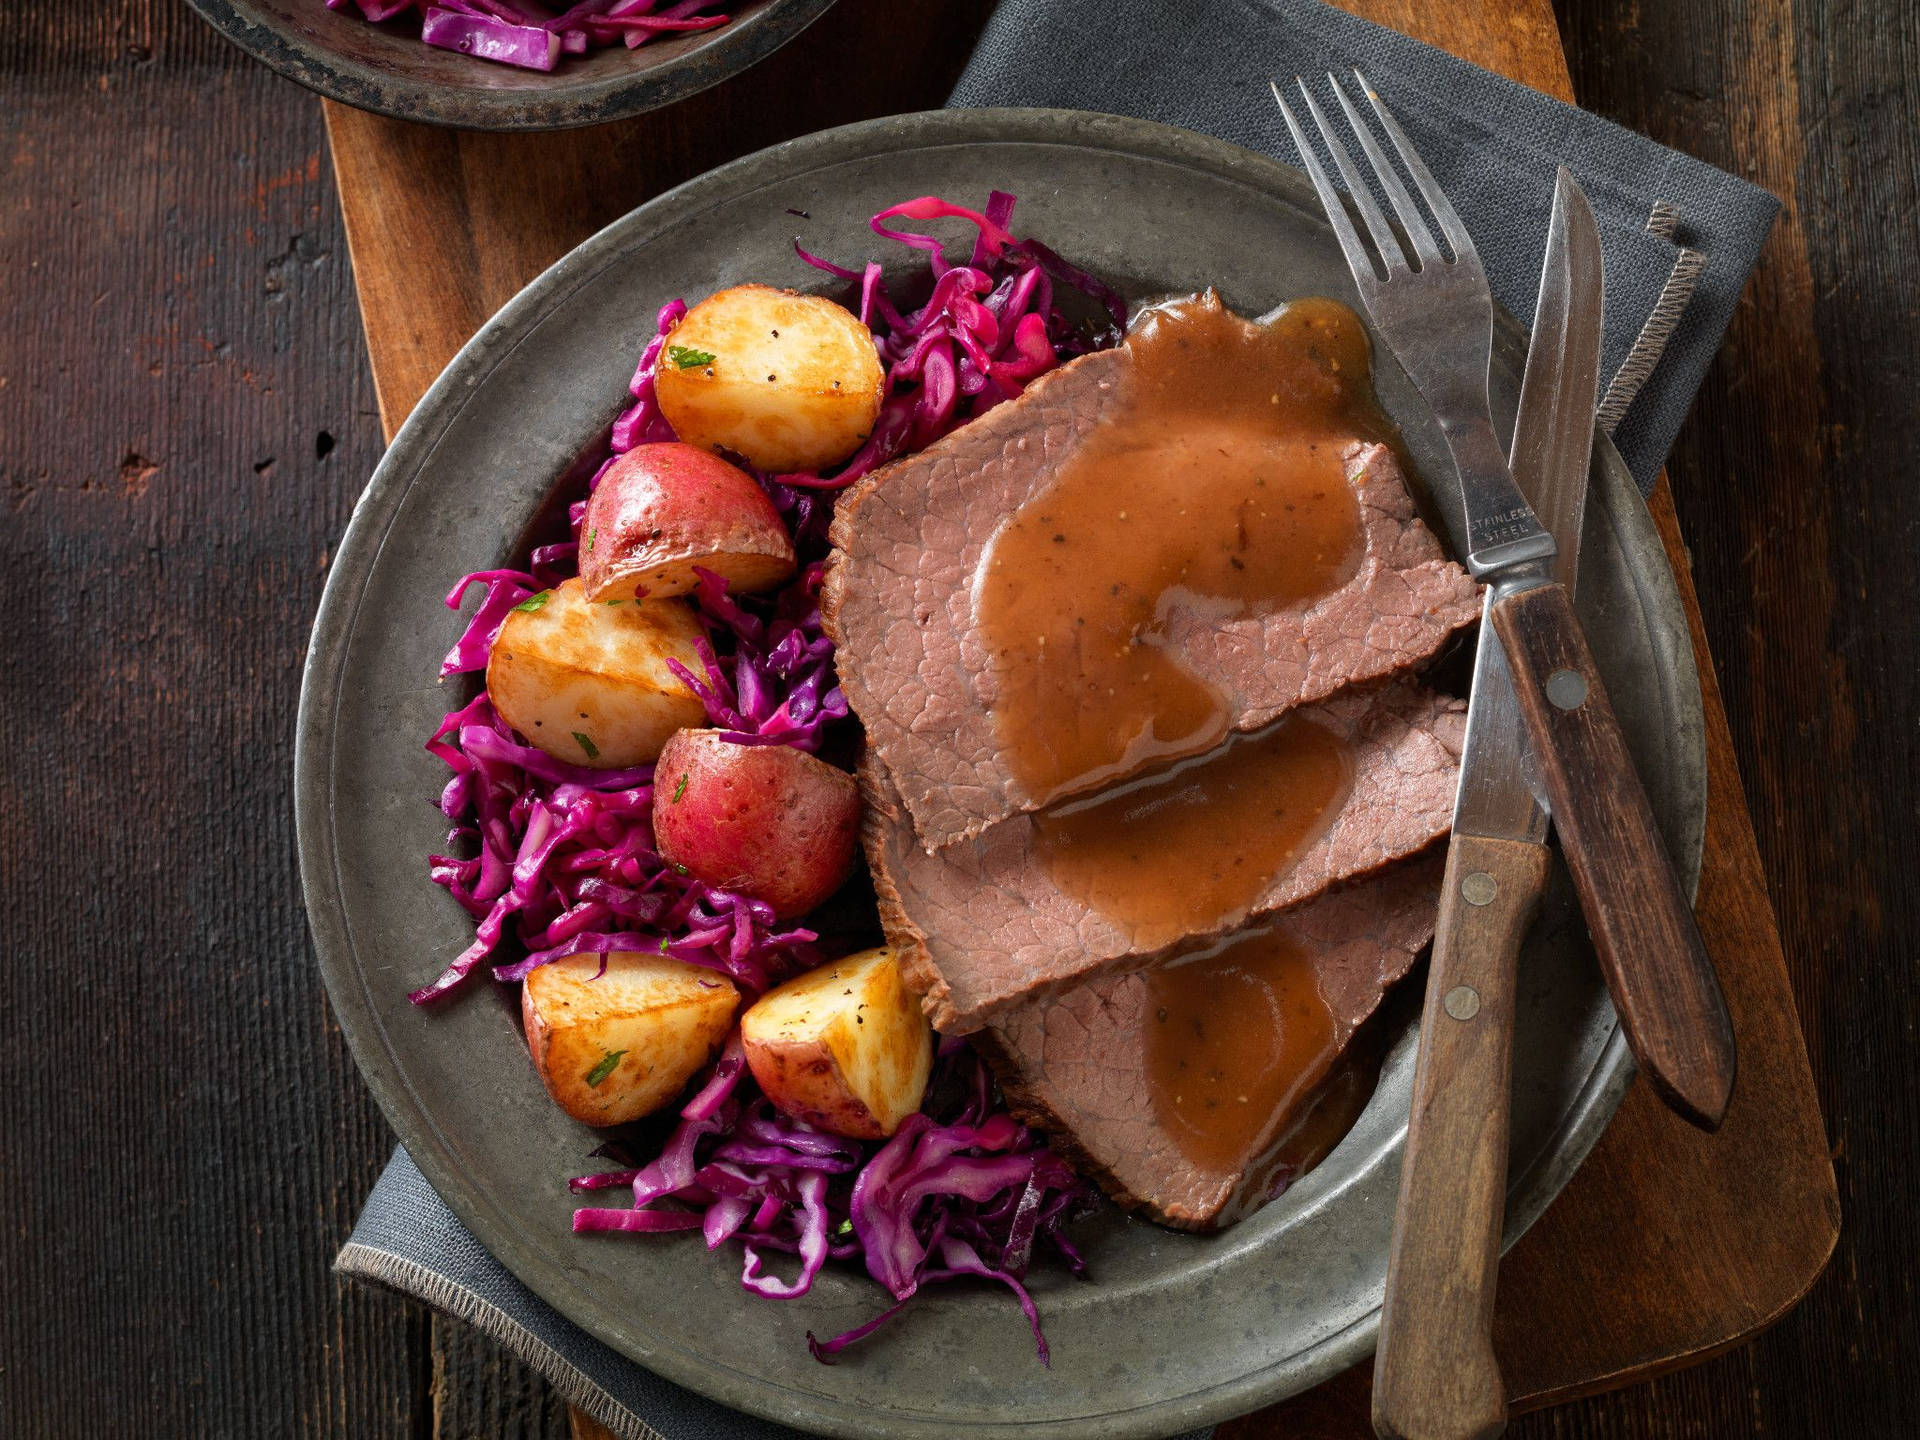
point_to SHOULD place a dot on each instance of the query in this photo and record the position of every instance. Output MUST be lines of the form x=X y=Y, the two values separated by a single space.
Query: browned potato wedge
x=786 y=381
x=589 y=682
x=623 y=1045
x=844 y=1047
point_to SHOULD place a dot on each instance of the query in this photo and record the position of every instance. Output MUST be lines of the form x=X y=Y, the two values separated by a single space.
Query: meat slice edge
x=1076 y=1065
x=980 y=928
x=897 y=600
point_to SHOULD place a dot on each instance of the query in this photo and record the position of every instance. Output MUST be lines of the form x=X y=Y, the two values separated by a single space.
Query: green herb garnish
x=586 y=744
x=678 y=868
x=534 y=602
x=604 y=1068
x=680 y=790
x=590 y=534
x=687 y=359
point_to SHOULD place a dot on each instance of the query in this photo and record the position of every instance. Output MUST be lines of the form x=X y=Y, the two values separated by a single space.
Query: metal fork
x=1436 y=314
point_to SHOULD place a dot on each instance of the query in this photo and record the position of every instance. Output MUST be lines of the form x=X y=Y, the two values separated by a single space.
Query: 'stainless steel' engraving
x=1498 y=529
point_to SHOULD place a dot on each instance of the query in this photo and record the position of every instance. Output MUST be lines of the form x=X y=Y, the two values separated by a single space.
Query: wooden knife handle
x=1434 y=1373
x=1662 y=980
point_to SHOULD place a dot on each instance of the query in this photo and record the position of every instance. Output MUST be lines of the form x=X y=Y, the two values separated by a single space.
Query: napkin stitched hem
x=416 y=1282
x=1651 y=343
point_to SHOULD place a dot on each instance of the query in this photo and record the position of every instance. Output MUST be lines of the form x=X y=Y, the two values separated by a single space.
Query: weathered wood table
x=186 y=419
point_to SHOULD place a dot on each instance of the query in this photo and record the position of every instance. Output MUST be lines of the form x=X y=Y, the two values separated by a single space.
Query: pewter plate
x=1177 y=1330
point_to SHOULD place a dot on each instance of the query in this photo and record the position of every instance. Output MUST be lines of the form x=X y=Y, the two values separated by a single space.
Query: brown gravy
x=1190 y=848
x=1233 y=1041
x=1318 y=1126
x=1214 y=487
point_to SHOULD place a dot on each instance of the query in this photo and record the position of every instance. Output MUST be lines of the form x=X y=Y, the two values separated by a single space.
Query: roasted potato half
x=588 y=682
x=785 y=381
x=613 y=1048
x=844 y=1047
x=663 y=511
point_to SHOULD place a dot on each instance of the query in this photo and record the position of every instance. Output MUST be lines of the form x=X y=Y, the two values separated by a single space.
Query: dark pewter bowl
x=1177 y=1330
x=385 y=68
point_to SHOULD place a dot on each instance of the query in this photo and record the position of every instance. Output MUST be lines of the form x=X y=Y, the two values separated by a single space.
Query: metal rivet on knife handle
x=1462 y=1002
x=1479 y=888
x=1567 y=689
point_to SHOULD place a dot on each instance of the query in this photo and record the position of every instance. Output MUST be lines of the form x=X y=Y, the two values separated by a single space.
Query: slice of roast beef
x=1090 y=1067
x=898 y=600
x=982 y=926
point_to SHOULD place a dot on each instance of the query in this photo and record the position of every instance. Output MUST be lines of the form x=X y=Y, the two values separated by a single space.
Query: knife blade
x=1434 y=1369
x=1500 y=791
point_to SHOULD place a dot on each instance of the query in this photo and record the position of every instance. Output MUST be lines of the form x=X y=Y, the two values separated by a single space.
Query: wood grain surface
x=185 y=416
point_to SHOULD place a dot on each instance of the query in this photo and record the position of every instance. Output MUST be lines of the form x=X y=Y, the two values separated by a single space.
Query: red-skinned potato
x=844 y=1047
x=785 y=381
x=768 y=821
x=615 y=1045
x=662 y=510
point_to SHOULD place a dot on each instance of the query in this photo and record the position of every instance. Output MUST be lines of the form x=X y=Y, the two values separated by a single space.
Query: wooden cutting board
x=1668 y=1246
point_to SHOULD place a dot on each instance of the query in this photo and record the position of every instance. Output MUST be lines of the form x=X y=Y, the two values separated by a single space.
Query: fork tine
x=1370 y=211
x=1411 y=220
x=1429 y=188
x=1358 y=260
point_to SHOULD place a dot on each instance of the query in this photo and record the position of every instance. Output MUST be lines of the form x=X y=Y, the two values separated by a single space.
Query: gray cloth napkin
x=407 y=1240
x=1679 y=236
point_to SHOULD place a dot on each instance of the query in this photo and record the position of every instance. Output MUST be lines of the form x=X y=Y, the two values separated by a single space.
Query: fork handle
x=1657 y=968
x=1434 y=1375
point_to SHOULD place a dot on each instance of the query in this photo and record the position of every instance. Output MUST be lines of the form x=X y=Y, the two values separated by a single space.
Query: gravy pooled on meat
x=1136 y=817
x=1233 y=1040
x=1138 y=1076
x=904 y=591
x=1191 y=848
x=989 y=923
x=1214 y=488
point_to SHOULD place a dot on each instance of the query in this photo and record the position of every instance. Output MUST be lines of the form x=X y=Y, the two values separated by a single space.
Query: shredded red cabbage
x=988 y=330
x=781 y=689
x=553 y=859
x=566 y=854
x=532 y=36
x=968 y=1195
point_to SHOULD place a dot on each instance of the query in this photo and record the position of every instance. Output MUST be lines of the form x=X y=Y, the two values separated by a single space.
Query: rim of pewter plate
x=390 y=72
x=1179 y=1331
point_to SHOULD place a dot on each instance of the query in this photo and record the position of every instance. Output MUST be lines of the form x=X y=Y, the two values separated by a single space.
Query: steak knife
x=1435 y=312
x=1434 y=1369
